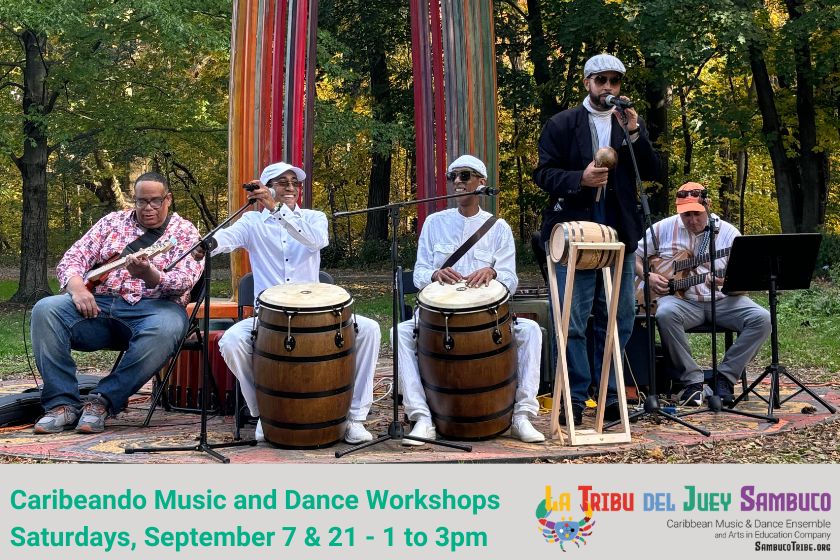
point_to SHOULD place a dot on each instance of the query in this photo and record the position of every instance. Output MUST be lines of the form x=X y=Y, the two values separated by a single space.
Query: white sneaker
x=523 y=429
x=356 y=433
x=422 y=428
x=258 y=433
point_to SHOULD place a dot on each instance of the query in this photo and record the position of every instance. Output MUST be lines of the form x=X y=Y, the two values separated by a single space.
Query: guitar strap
x=473 y=239
x=147 y=239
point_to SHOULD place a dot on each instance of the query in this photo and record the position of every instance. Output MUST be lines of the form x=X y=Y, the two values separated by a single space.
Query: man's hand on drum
x=447 y=275
x=658 y=284
x=480 y=277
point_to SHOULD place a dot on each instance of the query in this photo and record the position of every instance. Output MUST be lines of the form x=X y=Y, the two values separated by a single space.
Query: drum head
x=304 y=297
x=458 y=297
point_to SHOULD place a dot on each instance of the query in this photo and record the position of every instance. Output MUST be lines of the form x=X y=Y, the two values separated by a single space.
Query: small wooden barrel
x=582 y=232
x=304 y=364
x=467 y=359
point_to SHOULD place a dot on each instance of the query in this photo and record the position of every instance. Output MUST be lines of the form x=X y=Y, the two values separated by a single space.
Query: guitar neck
x=104 y=270
x=689 y=281
x=693 y=262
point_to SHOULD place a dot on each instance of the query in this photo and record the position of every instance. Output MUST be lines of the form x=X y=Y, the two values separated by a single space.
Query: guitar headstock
x=159 y=247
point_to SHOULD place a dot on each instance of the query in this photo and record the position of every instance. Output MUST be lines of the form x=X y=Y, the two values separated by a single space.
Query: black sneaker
x=692 y=395
x=577 y=414
x=725 y=390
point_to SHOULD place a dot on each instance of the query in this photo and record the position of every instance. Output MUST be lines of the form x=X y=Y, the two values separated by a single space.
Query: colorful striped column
x=454 y=66
x=272 y=93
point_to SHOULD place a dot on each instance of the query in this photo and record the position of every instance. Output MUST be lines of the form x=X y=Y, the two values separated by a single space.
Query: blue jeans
x=151 y=330
x=589 y=290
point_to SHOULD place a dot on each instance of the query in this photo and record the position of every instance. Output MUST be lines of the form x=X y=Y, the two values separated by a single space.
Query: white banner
x=462 y=511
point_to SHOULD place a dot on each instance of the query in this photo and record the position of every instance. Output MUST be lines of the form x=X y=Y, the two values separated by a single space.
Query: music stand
x=773 y=262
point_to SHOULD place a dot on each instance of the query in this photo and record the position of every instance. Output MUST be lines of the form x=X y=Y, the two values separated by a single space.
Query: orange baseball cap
x=691 y=201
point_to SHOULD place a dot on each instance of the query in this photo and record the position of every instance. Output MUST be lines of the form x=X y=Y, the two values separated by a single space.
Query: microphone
x=251 y=187
x=486 y=189
x=612 y=100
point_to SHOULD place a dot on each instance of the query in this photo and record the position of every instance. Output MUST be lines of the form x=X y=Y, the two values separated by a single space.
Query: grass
x=809 y=328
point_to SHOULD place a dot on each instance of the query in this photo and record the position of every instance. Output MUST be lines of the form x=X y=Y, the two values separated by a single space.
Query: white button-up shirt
x=283 y=246
x=443 y=232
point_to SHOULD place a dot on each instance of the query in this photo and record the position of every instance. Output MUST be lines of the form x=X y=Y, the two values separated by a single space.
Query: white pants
x=528 y=339
x=237 y=349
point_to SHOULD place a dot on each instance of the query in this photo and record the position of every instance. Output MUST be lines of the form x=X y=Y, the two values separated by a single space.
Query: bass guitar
x=99 y=274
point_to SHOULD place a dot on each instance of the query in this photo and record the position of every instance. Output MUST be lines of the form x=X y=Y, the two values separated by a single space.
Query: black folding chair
x=190 y=342
x=405 y=287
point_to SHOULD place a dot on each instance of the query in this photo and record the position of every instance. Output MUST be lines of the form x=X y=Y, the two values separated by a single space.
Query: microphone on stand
x=486 y=189
x=614 y=101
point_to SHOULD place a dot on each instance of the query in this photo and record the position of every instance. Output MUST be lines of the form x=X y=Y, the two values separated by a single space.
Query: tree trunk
x=656 y=118
x=539 y=58
x=379 y=184
x=786 y=175
x=814 y=187
x=33 y=170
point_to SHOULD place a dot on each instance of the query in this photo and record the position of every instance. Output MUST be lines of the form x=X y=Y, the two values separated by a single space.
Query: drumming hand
x=82 y=298
x=480 y=277
x=447 y=275
x=594 y=176
x=658 y=284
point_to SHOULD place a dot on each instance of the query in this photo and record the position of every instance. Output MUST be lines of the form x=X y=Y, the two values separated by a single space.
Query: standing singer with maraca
x=569 y=173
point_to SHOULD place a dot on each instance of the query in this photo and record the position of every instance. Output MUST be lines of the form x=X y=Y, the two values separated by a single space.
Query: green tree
x=104 y=84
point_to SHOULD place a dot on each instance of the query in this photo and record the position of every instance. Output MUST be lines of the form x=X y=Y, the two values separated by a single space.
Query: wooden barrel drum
x=304 y=364
x=582 y=232
x=467 y=359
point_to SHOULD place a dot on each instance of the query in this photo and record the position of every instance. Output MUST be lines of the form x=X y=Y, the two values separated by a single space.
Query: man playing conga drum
x=491 y=257
x=284 y=245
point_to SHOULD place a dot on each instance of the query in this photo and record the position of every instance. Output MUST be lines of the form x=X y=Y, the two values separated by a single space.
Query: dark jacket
x=566 y=149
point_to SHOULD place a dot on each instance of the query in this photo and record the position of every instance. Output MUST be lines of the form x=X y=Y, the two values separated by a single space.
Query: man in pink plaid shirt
x=138 y=307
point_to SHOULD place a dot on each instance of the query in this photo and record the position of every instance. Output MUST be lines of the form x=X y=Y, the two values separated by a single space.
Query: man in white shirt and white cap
x=492 y=257
x=284 y=245
x=579 y=189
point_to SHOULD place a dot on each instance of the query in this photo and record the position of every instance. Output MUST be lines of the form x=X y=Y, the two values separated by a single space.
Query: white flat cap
x=470 y=162
x=603 y=63
x=277 y=169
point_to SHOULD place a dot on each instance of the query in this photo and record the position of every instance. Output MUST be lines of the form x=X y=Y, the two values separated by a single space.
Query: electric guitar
x=694 y=262
x=676 y=270
x=98 y=275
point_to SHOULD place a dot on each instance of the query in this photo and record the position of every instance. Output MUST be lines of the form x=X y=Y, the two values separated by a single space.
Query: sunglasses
x=601 y=80
x=464 y=175
x=696 y=193
x=283 y=184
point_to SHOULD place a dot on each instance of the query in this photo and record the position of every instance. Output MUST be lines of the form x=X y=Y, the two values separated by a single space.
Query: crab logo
x=563 y=531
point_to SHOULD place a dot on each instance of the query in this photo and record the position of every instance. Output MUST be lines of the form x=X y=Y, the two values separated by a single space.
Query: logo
x=560 y=529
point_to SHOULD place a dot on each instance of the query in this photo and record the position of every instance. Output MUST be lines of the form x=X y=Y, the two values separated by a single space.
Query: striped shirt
x=675 y=239
x=107 y=239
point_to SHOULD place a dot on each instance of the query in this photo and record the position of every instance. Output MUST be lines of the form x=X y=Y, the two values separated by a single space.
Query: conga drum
x=304 y=364
x=582 y=232
x=467 y=358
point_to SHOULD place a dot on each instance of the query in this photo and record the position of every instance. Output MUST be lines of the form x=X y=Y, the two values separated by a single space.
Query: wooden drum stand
x=586 y=246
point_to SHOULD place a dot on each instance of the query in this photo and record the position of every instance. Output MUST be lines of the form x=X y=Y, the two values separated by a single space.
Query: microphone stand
x=395 y=429
x=714 y=403
x=651 y=405
x=208 y=243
